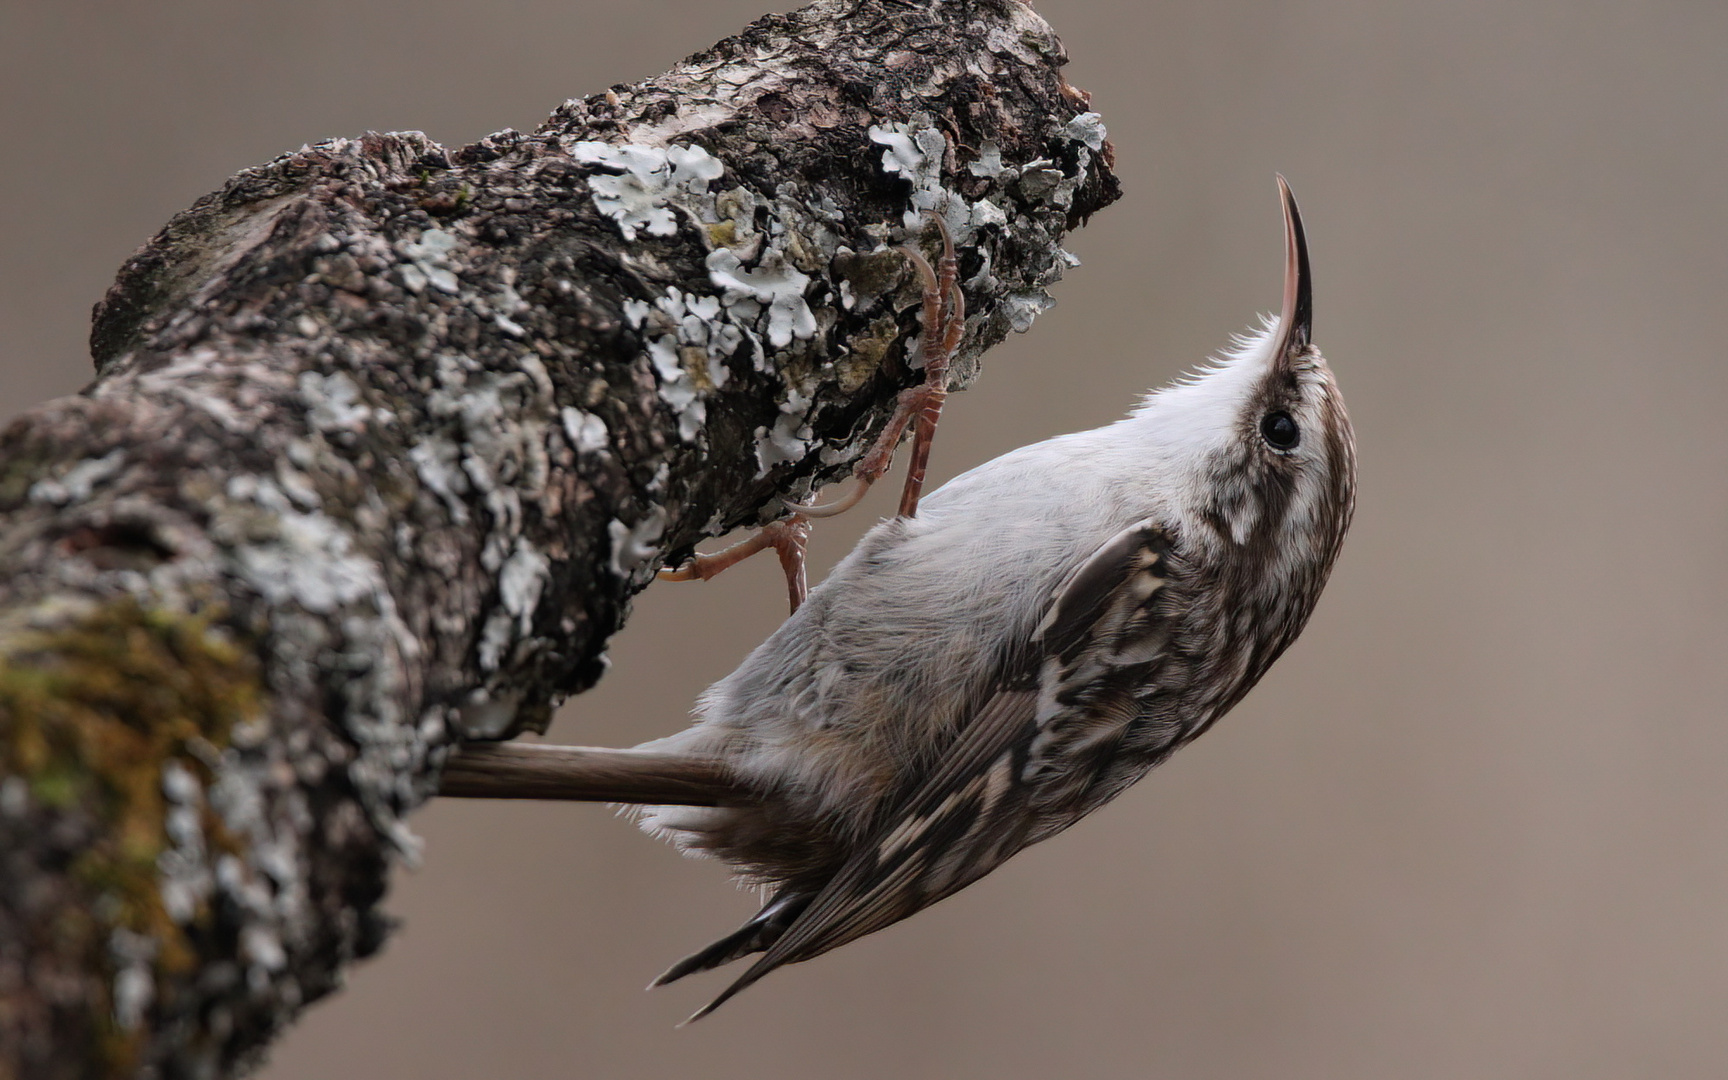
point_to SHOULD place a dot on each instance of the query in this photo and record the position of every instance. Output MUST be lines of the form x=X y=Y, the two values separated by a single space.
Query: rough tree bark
x=385 y=436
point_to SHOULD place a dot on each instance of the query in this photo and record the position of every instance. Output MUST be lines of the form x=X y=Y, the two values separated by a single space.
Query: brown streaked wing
x=953 y=811
x=970 y=814
x=1095 y=587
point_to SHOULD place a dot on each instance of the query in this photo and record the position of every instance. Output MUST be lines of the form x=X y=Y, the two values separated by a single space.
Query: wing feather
x=880 y=884
x=971 y=811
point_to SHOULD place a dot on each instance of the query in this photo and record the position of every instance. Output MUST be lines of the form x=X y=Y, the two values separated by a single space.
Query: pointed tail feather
x=744 y=981
x=763 y=929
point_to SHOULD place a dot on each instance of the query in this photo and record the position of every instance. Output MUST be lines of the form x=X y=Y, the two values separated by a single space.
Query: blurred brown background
x=1474 y=825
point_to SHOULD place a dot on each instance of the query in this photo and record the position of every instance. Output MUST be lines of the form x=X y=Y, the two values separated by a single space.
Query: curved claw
x=833 y=509
x=921 y=264
x=787 y=537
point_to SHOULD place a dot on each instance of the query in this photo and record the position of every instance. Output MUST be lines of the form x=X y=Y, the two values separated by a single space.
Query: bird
x=980 y=676
x=1050 y=625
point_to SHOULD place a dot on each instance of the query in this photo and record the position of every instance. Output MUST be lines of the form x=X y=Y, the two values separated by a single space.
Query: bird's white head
x=1256 y=455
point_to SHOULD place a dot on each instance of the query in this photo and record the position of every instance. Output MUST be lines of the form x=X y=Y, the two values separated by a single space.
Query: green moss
x=20 y=468
x=723 y=234
x=867 y=352
x=89 y=715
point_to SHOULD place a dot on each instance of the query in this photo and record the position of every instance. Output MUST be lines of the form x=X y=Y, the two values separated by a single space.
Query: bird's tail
x=588 y=774
x=763 y=929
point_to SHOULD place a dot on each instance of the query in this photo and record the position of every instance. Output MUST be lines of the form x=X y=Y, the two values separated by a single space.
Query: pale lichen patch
x=1023 y=307
x=520 y=582
x=587 y=432
x=76 y=483
x=790 y=437
x=436 y=461
x=645 y=181
x=774 y=285
x=429 y=260
x=1087 y=128
x=134 y=957
x=636 y=548
x=186 y=879
x=989 y=164
x=334 y=400
x=915 y=151
x=309 y=561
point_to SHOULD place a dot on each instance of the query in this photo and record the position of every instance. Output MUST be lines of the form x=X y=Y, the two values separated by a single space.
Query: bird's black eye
x=1279 y=431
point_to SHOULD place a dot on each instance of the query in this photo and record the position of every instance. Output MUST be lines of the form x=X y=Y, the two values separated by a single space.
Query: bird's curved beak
x=1295 y=321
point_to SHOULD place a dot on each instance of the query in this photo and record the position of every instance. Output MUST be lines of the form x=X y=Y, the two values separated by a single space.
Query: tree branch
x=384 y=438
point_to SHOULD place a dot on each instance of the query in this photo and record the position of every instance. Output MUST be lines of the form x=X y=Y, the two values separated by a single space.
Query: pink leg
x=787 y=537
x=944 y=323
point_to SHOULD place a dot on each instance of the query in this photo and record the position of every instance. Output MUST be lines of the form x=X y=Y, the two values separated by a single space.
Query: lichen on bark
x=384 y=438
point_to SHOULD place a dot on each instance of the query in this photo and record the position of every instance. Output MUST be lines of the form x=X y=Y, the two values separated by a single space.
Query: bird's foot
x=787 y=537
x=921 y=406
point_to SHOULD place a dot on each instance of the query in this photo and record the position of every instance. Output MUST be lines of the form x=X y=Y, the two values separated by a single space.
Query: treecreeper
x=979 y=676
